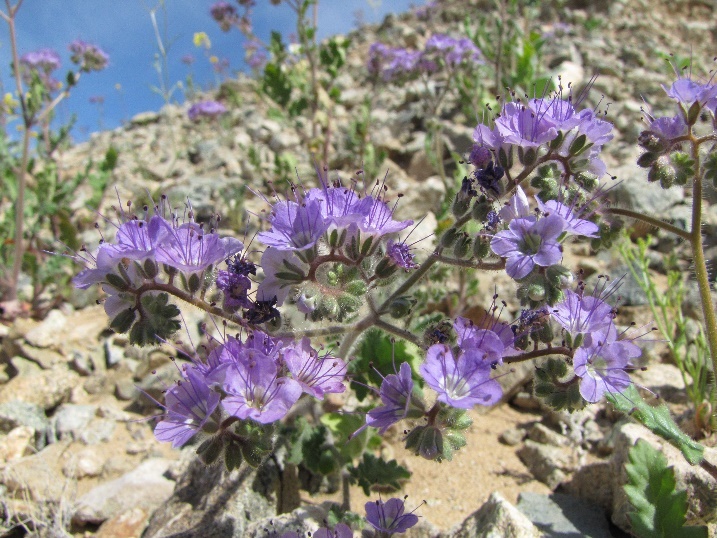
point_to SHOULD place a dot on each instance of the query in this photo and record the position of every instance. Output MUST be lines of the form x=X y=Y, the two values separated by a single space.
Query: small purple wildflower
x=188 y=59
x=668 y=127
x=517 y=207
x=341 y=530
x=454 y=51
x=601 y=368
x=88 y=56
x=396 y=393
x=43 y=62
x=586 y=315
x=520 y=126
x=574 y=224
x=235 y=287
x=255 y=390
x=687 y=92
x=495 y=339
x=527 y=243
x=206 y=109
x=390 y=517
x=480 y=156
x=189 y=404
x=225 y=14
x=462 y=382
x=294 y=226
x=489 y=177
x=316 y=375
x=400 y=254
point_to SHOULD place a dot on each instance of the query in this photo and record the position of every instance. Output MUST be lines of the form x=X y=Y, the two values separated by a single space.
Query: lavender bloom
x=341 y=530
x=400 y=254
x=225 y=14
x=189 y=404
x=274 y=262
x=601 y=368
x=586 y=315
x=687 y=92
x=390 y=517
x=462 y=382
x=396 y=393
x=668 y=128
x=43 y=62
x=489 y=177
x=521 y=126
x=517 y=207
x=294 y=226
x=255 y=391
x=235 y=288
x=188 y=249
x=527 y=243
x=316 y=375
x=377 y=218
x=480 y=156
x=88 y=56
x=393 y=63
x=495 y=340
x=455 y=51
x=574 y=225
x=206 y=109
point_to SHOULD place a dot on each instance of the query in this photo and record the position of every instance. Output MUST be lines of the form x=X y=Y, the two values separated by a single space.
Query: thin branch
x=650 y=220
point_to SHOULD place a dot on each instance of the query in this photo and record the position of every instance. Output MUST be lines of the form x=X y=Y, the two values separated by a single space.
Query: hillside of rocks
x=77 y=452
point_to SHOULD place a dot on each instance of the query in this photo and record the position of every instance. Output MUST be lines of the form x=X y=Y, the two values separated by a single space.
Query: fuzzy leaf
x=375 y=474
x=659 y=421
x=659 y=509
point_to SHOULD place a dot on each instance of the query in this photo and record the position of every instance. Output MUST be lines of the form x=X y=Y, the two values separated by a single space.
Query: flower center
x=530 y=243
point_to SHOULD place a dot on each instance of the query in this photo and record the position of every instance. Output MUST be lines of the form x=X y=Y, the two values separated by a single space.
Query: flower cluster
x=41 y=63
x=391 y=63
x=257 y=379
x=206 y=109
x=602 y=358
x=225 y=14
x=88 y=56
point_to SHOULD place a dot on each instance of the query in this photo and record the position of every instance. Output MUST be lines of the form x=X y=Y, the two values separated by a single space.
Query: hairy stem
x=390 y=328
x=652 y=221
x=560 y=350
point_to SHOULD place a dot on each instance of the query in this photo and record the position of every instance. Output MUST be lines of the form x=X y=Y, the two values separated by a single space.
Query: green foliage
x=658 y=420
x=380 y=351
x=688 y=346
x=342 y=427
x=244 y=441
x=550 y=384
x=375 y=474
x=156 y=320
x=311 y=446
x=710 y=167
x=659 y=510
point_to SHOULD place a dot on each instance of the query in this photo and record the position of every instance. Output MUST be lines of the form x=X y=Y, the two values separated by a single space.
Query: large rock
x=38 y=477
x=700 y=486
x=46 y=389
x=549 y=464
x=145 y=487
x=208 y=501
x=497 y=518
x=564 y=516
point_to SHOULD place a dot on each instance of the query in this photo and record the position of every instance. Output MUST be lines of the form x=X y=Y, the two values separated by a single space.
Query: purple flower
x=494 y=340
x=88 y=56
x=225 y=14
x=588 y=316
x=480 y=156
x=489 y=177
x=390 y=517
x=393 y=63
x=517 y=207
x=294 y=226
x=456 y=51
x=206 y=109
x=188 y=59
x=189 y=404
x=668 y=127
x=42 y=62
x=575 y=225
x=235 y=288
x=316 y=375
x=527 y=243
x=341 y=530
x=521 y=126
x=462 y=382
x=188 y=249
x=396 y=393
x=687 y=92
x=601 y=368
x=400 y=254
x=255 y=390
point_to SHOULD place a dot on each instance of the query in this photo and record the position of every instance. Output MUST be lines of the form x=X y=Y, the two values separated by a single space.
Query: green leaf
x=157 y=320
x=375 y=474
x=658 y=420
x=342 y=426
x=659 y=510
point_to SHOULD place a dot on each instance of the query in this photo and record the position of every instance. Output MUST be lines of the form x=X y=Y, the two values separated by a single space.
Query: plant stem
x=698 y=256
x=390 y=328
x=651 y=221
x=539 y=353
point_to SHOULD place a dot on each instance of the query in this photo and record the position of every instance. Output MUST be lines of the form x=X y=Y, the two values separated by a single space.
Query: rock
x=24 y=366
x=633 y=192
x=125 y=389
x=208 y=501
x=592 y=483
x=49 y=331
x=303 y=520
x=701 y=491
x=47 y=388
x=46 y=358
x=99 y=430
x=664 y=380
x=544 y=435
x=564 y=516
x=18 y=443
x=143 y=119
x=512 y=436
x=17 y=413
x=129 y=524
x=88 y=462
x=525 y=400
x=143 y=487
x=284 y=140
x=497 y=518
x=549 y=464
x=70 y=421
x=37 y=477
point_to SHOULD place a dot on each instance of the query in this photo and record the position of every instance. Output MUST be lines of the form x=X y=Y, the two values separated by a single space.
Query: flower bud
x=449 y=237
x=480 y=156
x=480 y=248
x=652 y=142
x=481 y=209
x=559 y=276
x=385 y=268
x=693 y=113
x=505 y=158
x=647 y=159
x=401 y=307
x=662 y=171
x=117 y=281
x=425 y=441
x=536 y=291
x=462 y=246
x=587 y=180
x=150 y=268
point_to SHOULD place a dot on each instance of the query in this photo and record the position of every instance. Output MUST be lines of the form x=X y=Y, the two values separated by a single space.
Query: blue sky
x=124 y=30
